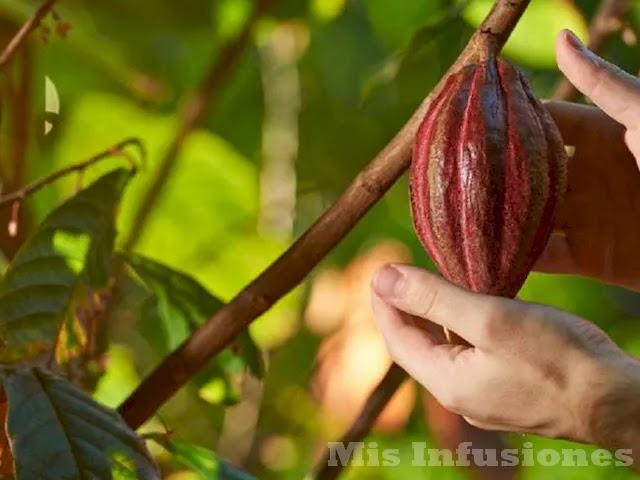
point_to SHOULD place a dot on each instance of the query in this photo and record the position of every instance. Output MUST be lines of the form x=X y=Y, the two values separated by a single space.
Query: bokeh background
x=322 y=88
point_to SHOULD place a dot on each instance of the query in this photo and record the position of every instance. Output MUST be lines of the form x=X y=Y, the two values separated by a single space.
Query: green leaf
x=417 y=65
x=201 y=460
x=120 y=378
x=68 y=256
x=183 y=305
x=57 y=431
x=396 y=21
x=180 y=297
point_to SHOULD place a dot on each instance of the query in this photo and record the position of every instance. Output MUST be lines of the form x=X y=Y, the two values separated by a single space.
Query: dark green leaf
x=183 y=305
x=396 y=21
x=68 y=256
x=57 y=431
x=180 y=297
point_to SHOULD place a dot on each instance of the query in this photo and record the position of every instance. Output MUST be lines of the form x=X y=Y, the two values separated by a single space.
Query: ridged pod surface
x=488 y=171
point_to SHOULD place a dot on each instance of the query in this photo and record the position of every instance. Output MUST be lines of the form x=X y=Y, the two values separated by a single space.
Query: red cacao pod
x=488 y=171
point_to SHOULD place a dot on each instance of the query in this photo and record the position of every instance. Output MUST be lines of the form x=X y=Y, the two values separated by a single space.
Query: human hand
x=529 y=368
x=598 y=232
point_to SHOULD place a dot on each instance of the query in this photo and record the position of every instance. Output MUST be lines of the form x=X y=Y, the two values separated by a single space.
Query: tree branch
x=296 y=263
x=17 y=106
x=500 y=22
x=117 y=149
x=607 y=21
x=380 y=396
x=28 y=26
x=191 y=114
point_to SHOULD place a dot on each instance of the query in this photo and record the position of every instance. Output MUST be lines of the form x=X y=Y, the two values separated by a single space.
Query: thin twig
x=117 y=149
x=296 y=263
x=27 y=27
x=380 y=396
x=608 y=20
x=192 y=113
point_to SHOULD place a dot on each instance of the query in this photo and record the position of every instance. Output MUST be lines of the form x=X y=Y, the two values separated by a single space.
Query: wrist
x=613 y=419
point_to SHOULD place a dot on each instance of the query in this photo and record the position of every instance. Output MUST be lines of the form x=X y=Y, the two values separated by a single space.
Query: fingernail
x=386 y=280
x=575 y=42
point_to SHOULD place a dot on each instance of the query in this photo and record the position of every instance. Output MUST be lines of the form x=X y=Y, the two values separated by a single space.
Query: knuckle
x=492 y=330
x=493 y=326
x=604 y=74
x=599 y=78
x=425 y=298
x=535 y=319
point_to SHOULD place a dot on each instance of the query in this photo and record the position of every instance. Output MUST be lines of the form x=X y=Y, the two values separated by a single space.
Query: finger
x=575 y=120
x=491 y=426
x=417 y=351
x=556 y=257
x=613 y=90
x=426 y=295
x=433 y=329
x=632 y=139
x=402 y=338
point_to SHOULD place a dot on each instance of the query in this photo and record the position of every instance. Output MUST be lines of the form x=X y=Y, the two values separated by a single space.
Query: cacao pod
x=488 y=171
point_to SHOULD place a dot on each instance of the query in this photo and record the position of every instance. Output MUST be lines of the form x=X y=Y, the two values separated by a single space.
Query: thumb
x=616 y=92
x=423 y=294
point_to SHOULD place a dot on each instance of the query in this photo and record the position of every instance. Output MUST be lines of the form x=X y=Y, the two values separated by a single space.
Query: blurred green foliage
x=359 y=68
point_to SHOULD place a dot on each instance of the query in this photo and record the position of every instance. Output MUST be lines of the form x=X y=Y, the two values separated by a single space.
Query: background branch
x=191 y=114
x=379 y=398
x=296 y=263
x=608 y=20
x=28 y=26
x=20 y=195
x=16 y=90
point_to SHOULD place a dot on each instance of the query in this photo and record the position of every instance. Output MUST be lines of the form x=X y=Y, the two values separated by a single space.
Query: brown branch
x=296 y=263
x=192 y=113
x=380 y=396
x=117 y=149
x=608 y=20
x=500 y=22
x=28 y=26
x=17 y=108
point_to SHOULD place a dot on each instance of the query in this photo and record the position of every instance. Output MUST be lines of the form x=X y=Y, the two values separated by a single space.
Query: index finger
x=423 y=294
x=616 y=92
x=577 y=121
